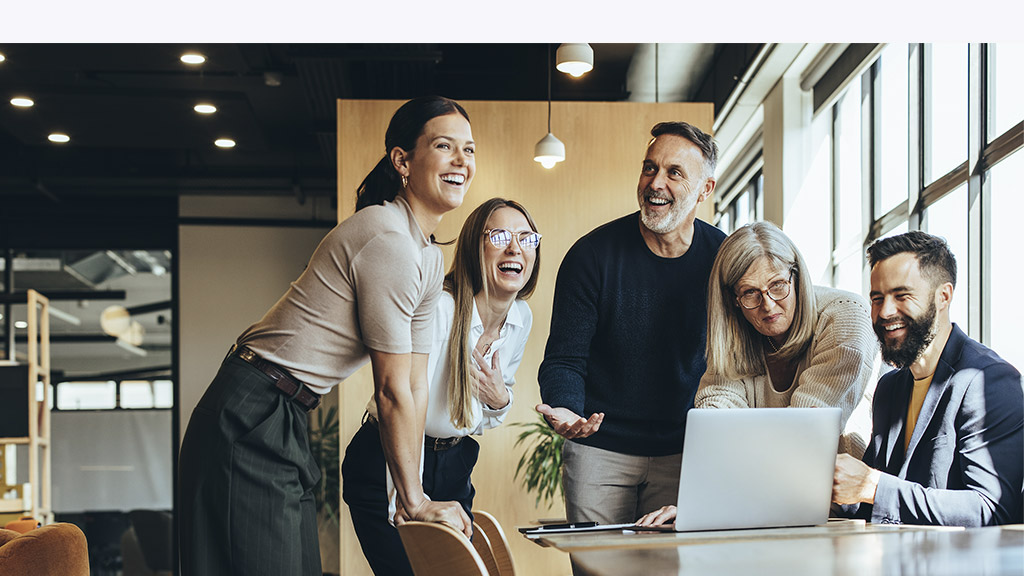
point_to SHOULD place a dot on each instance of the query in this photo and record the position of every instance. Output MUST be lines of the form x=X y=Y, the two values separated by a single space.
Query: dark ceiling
x=84 y=221
x=128 y=108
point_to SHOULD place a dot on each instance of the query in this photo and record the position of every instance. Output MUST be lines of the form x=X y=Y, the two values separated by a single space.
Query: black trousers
x=446 y=476
x=246 y=481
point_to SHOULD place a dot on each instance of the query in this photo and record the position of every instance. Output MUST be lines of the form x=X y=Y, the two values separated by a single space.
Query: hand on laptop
x=854 y=481
x=662 y=515
x=568 y=424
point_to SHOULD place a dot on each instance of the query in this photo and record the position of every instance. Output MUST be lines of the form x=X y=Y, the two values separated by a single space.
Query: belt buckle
x=441 y=444
x=315 y=403
x=246 y=354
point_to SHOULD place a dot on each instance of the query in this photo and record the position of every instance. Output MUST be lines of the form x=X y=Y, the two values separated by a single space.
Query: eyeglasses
x=501 y=238
x=777 y=291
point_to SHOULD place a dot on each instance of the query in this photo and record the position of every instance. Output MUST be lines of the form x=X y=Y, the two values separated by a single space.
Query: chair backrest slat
x=482 y=544
x=499 y=543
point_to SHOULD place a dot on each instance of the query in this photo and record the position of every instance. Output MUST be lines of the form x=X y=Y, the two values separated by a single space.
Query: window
x=111 y=395
x=1007 y=276
x=743 y=208
x=808 y=216
x=1006 y=87
x=146 y=394
x=848 y=183
x=87 y=395
x=948 y=218
x=725 y=222
x=945 y=119
x=892 y=153
x=893 y=125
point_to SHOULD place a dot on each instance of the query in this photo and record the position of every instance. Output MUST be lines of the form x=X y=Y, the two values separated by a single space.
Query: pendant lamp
x=550 y=150
x=574 y=59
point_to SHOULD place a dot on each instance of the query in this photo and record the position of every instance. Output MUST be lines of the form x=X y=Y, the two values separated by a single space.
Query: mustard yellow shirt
x=914 y=409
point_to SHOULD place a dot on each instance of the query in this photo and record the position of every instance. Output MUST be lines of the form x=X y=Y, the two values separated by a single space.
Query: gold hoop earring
x=405 y=181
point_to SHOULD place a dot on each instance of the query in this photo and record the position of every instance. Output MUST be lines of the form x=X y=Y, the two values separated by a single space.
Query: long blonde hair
x=734 y=348
x=464 y=281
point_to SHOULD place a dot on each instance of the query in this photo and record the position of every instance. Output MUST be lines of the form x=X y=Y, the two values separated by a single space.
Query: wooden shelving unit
x=37 y=502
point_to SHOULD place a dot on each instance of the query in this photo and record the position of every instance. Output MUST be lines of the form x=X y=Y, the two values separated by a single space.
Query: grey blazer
x=964 y=463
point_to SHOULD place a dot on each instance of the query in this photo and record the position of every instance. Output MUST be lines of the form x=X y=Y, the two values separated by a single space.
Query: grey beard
x=664 y=225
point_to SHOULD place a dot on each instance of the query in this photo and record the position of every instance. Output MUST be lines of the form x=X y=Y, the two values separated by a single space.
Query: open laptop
x=752 y=468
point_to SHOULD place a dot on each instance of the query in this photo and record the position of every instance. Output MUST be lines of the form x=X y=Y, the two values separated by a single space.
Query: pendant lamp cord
x=549 y=88
x=656 y=72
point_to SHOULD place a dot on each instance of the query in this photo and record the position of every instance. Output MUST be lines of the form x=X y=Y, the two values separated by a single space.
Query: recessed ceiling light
x=21 y=324
x=205 y=108
x=224 y=143
x=2 y=57
x=22 y=102
x=59 y=138
x=193 y=58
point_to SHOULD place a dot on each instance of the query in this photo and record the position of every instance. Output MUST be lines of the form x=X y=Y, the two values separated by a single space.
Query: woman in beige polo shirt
x=368 y=294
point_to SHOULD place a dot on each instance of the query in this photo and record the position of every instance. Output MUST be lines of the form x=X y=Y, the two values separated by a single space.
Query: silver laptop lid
x=757 y=468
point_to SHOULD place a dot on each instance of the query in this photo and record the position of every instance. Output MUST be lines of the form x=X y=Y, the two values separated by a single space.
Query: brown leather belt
x=435 y=444
x=289 y=386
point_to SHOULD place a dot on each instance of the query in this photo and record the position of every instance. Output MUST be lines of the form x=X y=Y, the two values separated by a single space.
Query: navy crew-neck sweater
x=627 y=336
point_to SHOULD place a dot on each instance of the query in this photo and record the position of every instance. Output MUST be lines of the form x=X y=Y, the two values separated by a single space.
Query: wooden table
x=838 y=549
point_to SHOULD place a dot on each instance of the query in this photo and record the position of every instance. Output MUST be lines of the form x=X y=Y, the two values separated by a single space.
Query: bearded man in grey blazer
x=947 y=445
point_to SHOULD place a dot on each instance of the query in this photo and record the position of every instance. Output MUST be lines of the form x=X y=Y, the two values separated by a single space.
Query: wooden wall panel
x=605 y=144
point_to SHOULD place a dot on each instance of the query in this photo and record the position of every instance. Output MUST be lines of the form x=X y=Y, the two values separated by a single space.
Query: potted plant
x=541 y=464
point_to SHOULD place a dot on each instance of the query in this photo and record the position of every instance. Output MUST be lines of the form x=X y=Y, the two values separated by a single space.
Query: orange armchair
x=55 y=550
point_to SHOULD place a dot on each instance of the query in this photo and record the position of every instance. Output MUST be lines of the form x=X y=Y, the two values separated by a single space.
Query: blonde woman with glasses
x=776 y=340
x=480 y=329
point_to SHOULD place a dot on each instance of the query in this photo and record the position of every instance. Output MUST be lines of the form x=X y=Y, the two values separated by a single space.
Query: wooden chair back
x=499 y=543
x=482 y=544
x=438 y=550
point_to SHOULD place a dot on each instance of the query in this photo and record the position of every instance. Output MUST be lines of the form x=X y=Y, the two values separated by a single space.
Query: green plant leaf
x=541 y=462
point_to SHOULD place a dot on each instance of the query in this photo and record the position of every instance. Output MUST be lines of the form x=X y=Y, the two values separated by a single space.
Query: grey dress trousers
x=246 y=481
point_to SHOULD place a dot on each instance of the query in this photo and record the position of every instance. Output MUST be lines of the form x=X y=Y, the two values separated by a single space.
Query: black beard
x=920 y=334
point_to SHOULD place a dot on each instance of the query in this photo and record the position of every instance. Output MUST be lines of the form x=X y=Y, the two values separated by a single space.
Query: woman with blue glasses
x=481 y=326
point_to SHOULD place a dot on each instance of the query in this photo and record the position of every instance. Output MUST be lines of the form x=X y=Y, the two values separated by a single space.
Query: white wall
x=229 y=276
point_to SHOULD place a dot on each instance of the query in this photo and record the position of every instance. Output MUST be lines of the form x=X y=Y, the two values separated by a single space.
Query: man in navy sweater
x=626 y=349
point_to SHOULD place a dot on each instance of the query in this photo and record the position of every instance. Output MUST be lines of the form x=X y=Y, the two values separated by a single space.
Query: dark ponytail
x=384 y=182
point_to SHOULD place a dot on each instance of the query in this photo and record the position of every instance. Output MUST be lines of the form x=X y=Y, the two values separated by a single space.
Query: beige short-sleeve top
x=372 y=283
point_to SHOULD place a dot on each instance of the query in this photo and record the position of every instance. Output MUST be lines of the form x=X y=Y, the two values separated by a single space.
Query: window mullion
x=977 y=234
x=919 y=155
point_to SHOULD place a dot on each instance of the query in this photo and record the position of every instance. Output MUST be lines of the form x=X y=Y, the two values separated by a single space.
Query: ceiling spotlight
x=193 y=58
x=21 y=324
x=59 y=138
x=224 y=143
x=2 y=57
x=574 y=59
x=272 y=78
x=205 y=108
x=22 y=102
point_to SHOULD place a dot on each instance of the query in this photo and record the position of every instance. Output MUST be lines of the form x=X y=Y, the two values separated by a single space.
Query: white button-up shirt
x=511 y=343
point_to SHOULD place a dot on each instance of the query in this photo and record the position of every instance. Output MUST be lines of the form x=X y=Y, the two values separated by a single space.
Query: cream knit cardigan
x=840 y=368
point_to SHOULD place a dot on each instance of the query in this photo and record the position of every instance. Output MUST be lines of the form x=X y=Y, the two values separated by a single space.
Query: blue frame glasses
x=501 y=238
